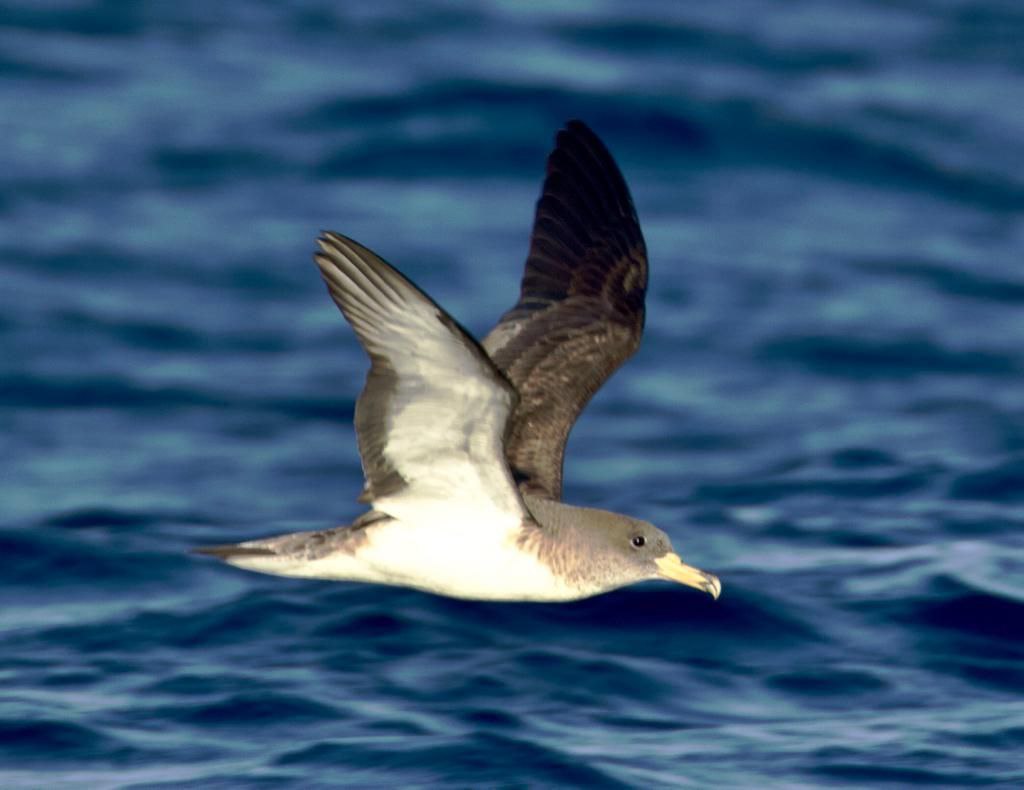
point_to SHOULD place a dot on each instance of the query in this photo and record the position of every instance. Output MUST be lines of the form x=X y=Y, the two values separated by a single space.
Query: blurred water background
x=827 y=410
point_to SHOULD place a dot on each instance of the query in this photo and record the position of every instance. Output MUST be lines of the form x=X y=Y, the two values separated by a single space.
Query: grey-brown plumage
x=462 y=444
x=418 y=355
x=580 y=312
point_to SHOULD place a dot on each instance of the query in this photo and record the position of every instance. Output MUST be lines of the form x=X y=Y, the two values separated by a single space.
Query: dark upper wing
x=431 y=418
x=580 y=313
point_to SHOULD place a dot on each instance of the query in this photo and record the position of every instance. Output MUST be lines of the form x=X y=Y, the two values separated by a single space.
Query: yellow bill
x=674 y=569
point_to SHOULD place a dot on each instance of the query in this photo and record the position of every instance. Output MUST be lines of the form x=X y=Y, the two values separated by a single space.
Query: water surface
x=827 y=410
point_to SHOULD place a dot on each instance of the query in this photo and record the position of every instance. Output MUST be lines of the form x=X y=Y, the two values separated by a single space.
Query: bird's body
x=462 y=443
x=460 y=558
x=419 y=553
x=486 y=565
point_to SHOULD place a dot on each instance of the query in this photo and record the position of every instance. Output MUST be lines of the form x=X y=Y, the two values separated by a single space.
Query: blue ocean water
x=827 y=410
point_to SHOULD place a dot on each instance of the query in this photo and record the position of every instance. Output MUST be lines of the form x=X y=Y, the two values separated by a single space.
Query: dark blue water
x=827 y=410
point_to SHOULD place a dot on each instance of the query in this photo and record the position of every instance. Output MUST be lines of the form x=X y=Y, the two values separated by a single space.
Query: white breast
x=459 y=558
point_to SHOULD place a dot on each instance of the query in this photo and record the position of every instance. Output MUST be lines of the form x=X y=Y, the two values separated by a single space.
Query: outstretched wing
x=580 y=313
x=432 y=415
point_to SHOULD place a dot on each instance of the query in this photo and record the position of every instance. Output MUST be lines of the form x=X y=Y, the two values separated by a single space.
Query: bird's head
x=621 y=550
x=645 y=552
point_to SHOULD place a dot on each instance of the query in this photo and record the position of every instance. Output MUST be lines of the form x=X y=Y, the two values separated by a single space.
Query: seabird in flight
x=462 y=443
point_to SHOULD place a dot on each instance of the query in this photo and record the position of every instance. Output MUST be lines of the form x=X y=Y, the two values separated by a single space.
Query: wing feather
x=580 y=312
x=432 y=416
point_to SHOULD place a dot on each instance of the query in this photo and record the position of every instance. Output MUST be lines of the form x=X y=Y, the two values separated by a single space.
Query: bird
x=462 y=442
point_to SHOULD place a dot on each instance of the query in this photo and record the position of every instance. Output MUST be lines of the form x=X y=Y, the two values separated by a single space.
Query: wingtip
x=329 y=239
x=335 y=248
x=577 y=130
x=576 y=126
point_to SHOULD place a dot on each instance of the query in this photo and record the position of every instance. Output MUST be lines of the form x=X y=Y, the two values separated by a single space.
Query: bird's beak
x=674 y=569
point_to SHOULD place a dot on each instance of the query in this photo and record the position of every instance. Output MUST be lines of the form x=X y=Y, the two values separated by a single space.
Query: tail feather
x=321 y=554
x=232 y=550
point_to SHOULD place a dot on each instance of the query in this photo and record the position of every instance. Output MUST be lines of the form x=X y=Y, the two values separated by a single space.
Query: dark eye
x=638 y=541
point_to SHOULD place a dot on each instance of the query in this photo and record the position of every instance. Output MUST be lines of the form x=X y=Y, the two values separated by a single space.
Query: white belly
x=459 y=560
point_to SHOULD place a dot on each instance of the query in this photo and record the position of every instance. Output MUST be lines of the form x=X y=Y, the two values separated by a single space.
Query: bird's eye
x=638 y=541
